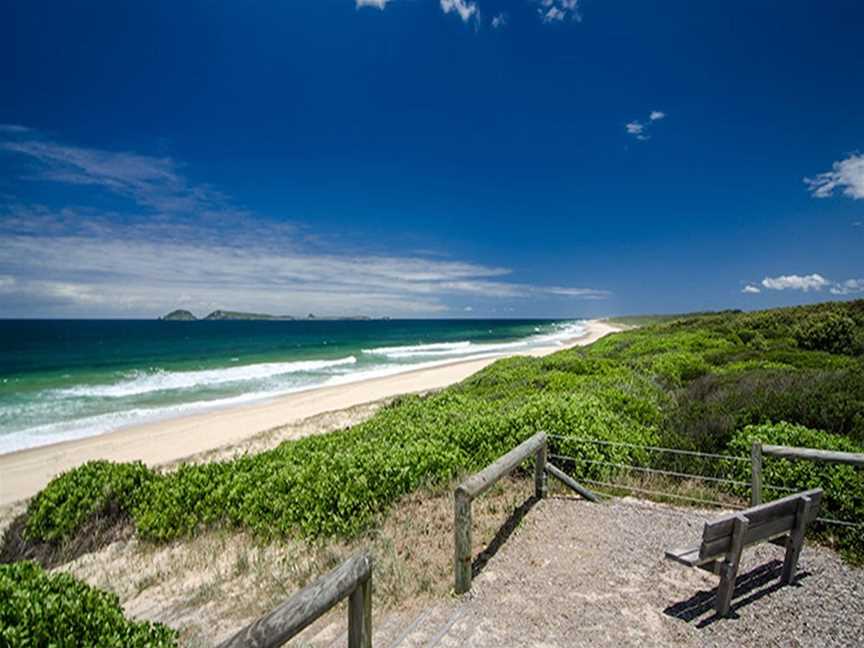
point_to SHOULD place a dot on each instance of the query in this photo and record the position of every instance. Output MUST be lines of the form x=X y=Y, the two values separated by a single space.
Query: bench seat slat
x=765 y=521
x=758 y=514
x=687 y=556
x=766 y=531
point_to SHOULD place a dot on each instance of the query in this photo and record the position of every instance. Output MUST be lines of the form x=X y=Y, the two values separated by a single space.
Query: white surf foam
x=145 y=382
x=466 y=347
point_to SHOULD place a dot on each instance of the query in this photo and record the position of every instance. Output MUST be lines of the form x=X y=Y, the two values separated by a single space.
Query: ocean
x=68 y=379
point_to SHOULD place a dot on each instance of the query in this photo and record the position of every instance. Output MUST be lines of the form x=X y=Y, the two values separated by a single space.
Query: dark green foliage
x=831 y=332
x=709 y=410
x=42 y=609
x=843 y=485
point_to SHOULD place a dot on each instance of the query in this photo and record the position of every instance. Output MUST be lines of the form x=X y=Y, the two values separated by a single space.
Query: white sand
x=24 y=473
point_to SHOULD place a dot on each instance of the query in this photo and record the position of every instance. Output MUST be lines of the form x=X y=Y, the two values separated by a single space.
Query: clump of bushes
x=831 y=332
x=842 y=485
x=42 y=609
x=61 y=509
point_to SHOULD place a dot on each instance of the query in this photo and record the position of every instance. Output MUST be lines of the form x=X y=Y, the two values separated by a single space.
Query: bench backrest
x=765 y=521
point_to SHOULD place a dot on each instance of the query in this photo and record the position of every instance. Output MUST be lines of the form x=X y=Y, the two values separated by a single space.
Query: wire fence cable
x=672 y=473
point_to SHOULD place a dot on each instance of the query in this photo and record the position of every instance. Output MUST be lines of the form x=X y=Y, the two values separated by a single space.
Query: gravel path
x=581 y=574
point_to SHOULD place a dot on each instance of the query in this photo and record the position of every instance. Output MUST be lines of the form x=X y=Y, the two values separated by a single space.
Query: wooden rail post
x=352 y=579
x=812 y=454
x=756 y=473
x=462 y=530
x=540 y=484
x=360 y=615
x=479 y=483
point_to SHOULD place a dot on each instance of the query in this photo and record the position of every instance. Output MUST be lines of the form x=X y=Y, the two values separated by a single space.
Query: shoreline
x=25 y=472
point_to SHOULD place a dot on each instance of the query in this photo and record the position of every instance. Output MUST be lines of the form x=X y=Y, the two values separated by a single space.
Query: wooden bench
x=782 y=522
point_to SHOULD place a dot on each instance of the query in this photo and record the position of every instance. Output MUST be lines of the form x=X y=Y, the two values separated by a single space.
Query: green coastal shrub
x=843 y=485
x=831 y=332
x=674 y=368
x=38 y=608
x=707 y=412
x=70 y=499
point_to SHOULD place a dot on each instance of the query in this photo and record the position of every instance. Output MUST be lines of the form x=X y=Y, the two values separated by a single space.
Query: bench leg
x=795 y=541
x=729 y=568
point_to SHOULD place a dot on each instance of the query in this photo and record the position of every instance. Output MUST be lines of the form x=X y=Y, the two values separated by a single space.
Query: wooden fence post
x=462 y=531
x=352 y=579
x=360 y=615
x=540 y=472
x=756 y=473
x=478 y=484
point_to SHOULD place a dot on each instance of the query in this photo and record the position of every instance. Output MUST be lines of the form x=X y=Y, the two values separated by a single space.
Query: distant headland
x=181 y=315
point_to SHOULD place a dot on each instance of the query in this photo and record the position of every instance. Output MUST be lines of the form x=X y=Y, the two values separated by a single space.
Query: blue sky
x=445 y=158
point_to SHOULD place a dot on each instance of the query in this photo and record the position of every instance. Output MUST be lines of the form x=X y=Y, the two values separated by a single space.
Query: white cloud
x=558 y=10
x=750 y=289
x=499 y=21
x=847 y=174
x=14 y=129
x=848 y=287
x=468 y=309
x=805 y=283
x=143 y=269
x=377 y=4
x=150 y=181
x=464 y=8
x=193 y=248
x=639 y=129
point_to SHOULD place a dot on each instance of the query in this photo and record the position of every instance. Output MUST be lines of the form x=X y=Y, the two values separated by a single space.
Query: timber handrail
x=758 y=450
x=812 y=454
x=478 y=484
x=352 y=579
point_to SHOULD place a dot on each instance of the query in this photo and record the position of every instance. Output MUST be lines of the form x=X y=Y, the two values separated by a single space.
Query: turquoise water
x=64 y=379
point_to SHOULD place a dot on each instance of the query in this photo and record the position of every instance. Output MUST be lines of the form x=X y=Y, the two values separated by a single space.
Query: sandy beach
x=24 y=473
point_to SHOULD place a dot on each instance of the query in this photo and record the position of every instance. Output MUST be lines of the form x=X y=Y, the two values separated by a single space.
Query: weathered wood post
x=478 y=484
x=462 y=531
x=540 y=484
x=795 y=541
x=756 y=473
x=360 y=615
x=729 y=567
x=351 y=579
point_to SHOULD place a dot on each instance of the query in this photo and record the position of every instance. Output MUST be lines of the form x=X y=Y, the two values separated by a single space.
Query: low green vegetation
x=843 y=485
x=710 y=382
x=42 y=609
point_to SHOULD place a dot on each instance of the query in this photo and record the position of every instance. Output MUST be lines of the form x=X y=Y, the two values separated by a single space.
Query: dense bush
x=829 y=331
x=843 y=486
x=70 y=499
x=709 y=410
x=42 y=609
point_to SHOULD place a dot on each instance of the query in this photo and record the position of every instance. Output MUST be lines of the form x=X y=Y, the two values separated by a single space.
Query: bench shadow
x=504 y=532
x=746 y=585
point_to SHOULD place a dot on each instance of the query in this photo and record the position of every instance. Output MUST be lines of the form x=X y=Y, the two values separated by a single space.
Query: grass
x=197 y=584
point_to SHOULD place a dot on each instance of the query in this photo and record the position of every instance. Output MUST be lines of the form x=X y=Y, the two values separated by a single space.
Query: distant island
x=181 y=315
